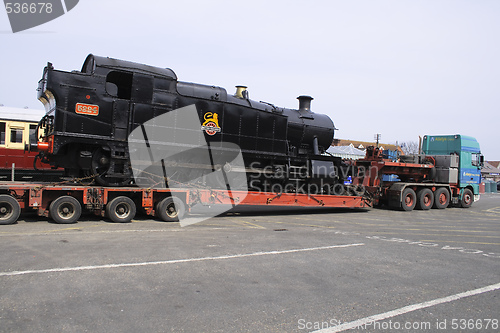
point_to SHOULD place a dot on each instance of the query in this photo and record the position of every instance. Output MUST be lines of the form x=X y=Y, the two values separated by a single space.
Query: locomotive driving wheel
x=109 y=171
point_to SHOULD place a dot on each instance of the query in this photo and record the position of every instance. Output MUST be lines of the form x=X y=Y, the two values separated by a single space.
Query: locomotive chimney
x=305 y=103
x=241 y=92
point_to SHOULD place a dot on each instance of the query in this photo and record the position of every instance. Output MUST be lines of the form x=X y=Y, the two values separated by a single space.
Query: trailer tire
x=425 y=199
x=467 y=198
x=170 y=209
x=121 y=209
x=441 y=198
x=9 y=209
x=408 y=199
x=65 y=210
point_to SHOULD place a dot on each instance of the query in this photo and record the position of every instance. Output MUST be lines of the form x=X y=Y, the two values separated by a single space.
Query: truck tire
x=170 y=209
x=121 y=209
x=65 y=210
x=425 y=199
x=408 y=199
x=441 y=198
x=9 y=209
x=467 y=198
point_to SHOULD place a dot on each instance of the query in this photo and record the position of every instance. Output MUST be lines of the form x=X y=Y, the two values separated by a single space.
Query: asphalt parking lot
x=332 y=270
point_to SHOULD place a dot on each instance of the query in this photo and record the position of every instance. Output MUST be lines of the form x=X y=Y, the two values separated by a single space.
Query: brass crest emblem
x=211 y=123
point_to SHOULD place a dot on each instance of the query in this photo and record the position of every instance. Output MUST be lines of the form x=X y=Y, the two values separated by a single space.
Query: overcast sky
x=398 y=68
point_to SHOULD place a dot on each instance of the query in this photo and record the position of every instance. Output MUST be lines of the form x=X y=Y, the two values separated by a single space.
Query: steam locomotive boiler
x=91 y=113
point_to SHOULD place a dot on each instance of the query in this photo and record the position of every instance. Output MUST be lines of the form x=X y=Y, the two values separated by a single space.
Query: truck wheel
x=9 y=209
x=121 y=209
x=425 y=199
x=170 y=209
x=441 y=198
x=408 y=200
x=65 y=210
x=467 y=198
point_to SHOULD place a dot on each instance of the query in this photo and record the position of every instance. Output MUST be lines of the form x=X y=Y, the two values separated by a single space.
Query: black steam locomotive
x=91 y=113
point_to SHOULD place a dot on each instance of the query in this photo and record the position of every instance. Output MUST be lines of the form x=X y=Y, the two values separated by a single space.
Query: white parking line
x=174 y=261
x=370 y=320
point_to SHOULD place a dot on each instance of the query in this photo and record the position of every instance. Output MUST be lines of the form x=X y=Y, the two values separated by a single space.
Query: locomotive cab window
x=119 y=84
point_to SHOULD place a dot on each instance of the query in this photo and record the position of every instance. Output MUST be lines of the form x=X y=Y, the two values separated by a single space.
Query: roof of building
x=495 y=164
x=490 y=169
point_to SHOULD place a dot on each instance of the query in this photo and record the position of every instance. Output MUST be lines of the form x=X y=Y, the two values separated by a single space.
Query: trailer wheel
x=170 y=209
x=467 y=198
x=9 y=209
x=441 y=198
x=408 y=200
x=65 y=210
x=121 y=209
x=425 y=199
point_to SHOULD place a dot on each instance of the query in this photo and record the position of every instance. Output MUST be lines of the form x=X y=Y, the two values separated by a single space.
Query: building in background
x=351 y=149
x=491 y=170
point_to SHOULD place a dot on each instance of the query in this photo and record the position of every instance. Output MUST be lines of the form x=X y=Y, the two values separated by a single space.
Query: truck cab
x=467 y=164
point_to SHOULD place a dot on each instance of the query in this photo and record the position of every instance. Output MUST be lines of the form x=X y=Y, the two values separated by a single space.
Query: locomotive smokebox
x=305 y=103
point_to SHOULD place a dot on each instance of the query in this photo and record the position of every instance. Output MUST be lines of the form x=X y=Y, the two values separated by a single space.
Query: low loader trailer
x=65 y=203
x=447 y=172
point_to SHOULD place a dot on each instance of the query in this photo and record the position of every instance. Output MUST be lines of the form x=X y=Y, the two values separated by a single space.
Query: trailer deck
x=64 y=203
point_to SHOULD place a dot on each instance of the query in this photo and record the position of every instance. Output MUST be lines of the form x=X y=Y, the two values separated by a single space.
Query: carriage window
x=16 y=135
x=33 y=136
x=2 y=133
x=119 y=84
